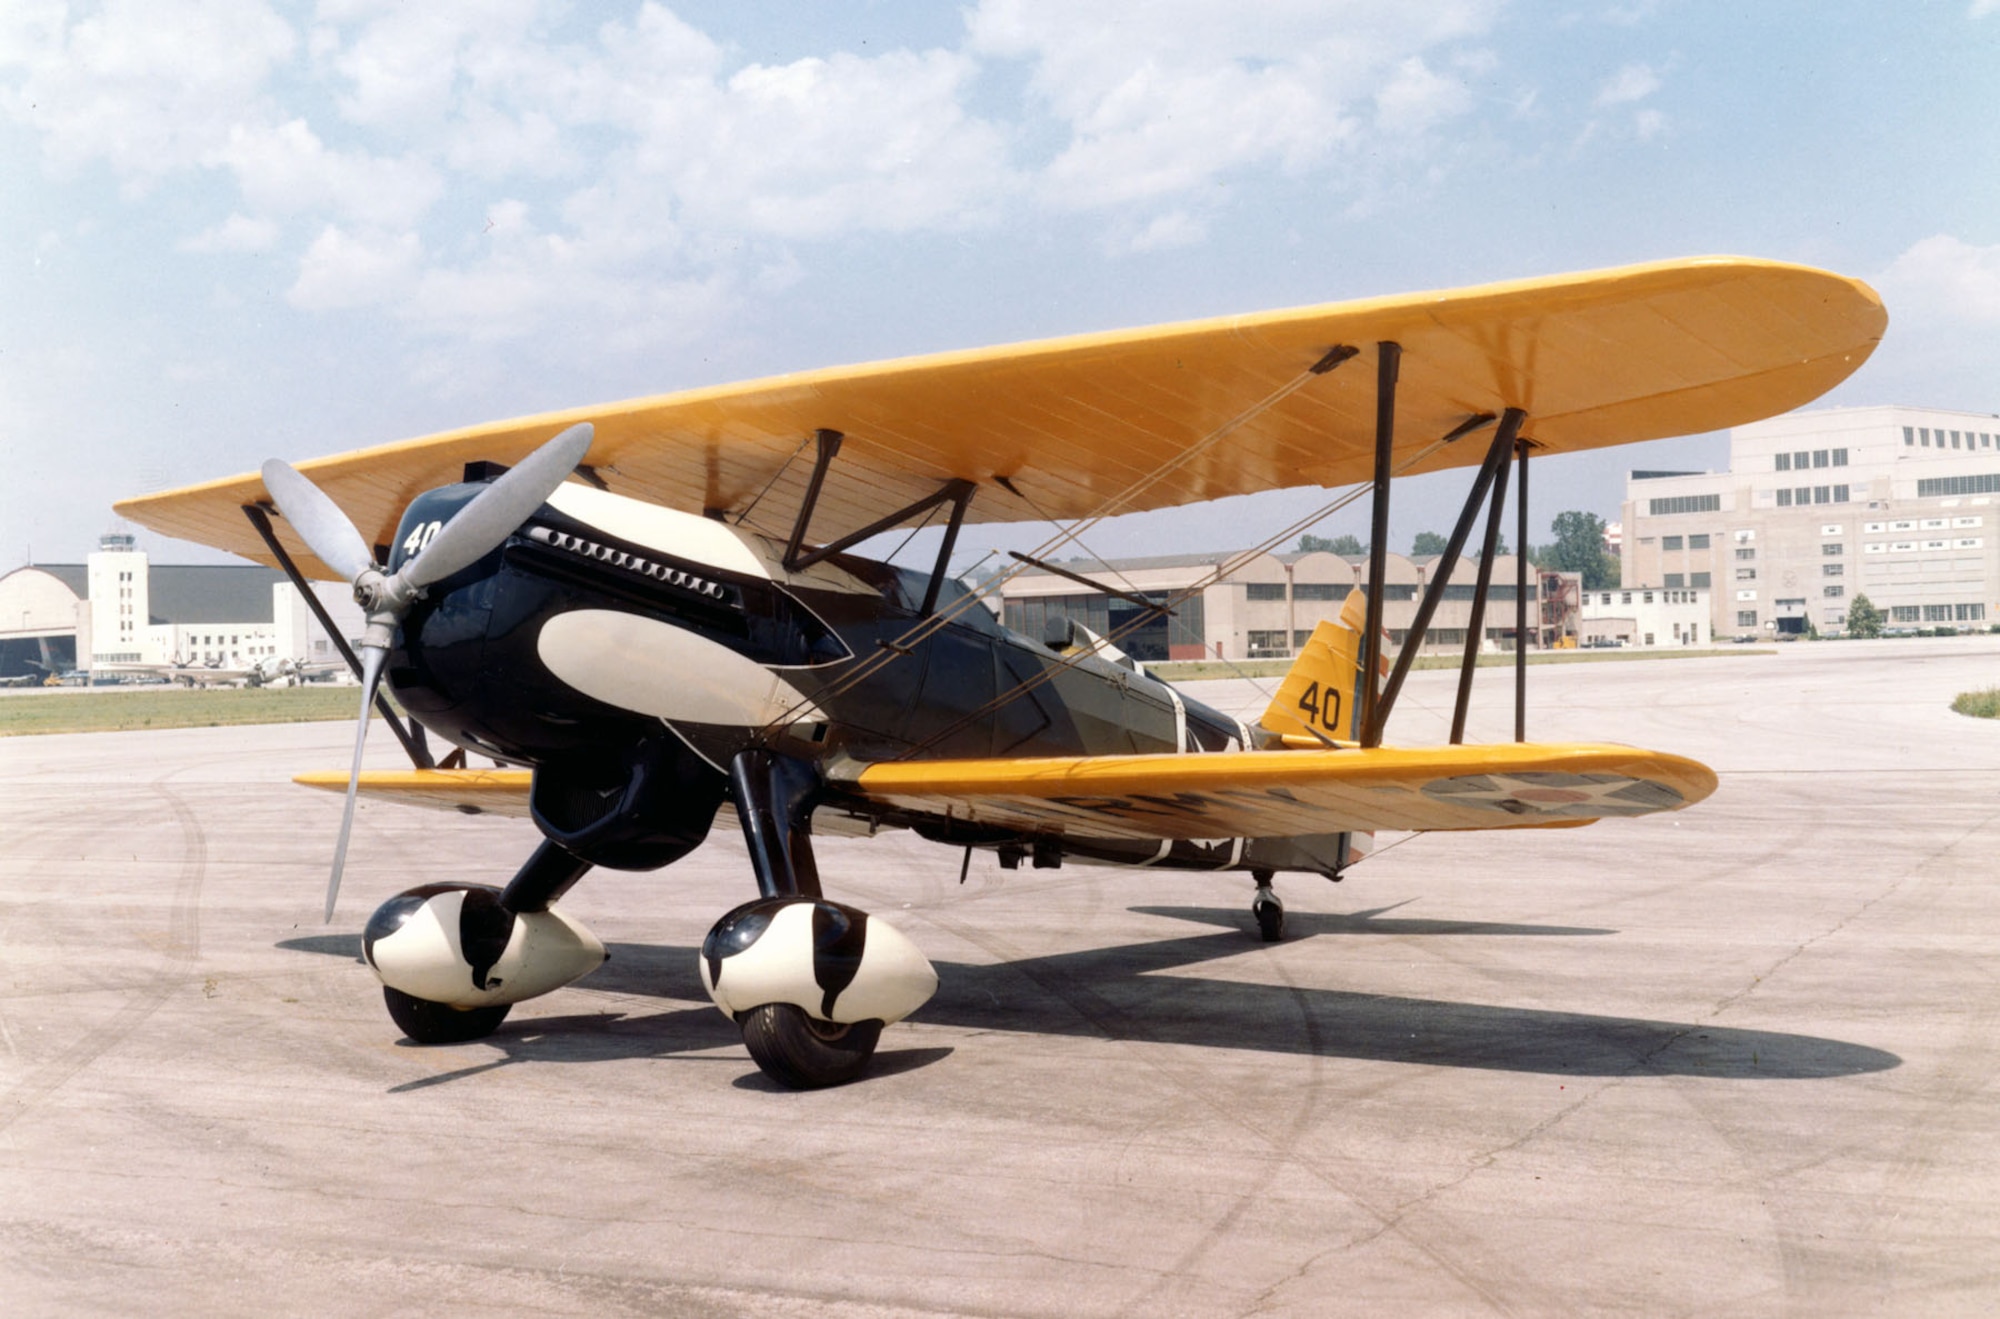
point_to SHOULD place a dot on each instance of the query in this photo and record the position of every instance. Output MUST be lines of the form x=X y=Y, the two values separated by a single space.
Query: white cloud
x=638 y=175
x=1634 y=82
x=1417 y=99
x=147 y=86
x=239 y=233
x=1944 y=279
x=1981 y=8
x=286 y=170
x=1166 y=96
x=1174 y=229
x=341 y=271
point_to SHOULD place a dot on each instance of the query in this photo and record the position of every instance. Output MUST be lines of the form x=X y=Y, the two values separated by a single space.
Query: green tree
x=1350 y=546
x=1579 y=548
x=1863 y=618
x=1428 y=542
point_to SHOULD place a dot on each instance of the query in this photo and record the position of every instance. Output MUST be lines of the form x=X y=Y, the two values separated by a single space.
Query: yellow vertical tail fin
x=1321 y=695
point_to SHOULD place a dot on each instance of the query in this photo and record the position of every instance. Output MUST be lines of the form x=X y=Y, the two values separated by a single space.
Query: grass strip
x=1980 y=705
x=126 y=709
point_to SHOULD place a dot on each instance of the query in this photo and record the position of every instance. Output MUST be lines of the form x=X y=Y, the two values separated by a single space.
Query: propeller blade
x=318 y=520
x=499 y=510
x=372 y=660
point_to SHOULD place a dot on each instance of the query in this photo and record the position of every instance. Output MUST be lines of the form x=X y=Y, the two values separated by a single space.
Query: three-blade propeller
x=474 y=531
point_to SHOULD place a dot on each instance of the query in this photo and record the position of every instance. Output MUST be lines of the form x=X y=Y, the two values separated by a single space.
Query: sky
x=239 y=229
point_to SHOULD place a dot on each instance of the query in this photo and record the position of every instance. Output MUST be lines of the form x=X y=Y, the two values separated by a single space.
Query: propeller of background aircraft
x=492 y=516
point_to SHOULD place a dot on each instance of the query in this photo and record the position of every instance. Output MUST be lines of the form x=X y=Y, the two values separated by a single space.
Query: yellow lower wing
x=473 y=791
x=1279 y=794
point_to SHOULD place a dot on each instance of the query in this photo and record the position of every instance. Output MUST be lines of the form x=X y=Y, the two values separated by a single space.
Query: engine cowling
x=455 y=944
x=833 y=962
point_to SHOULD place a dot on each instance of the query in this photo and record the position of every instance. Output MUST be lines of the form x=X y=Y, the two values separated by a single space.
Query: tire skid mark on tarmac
x=1116 y=1025
x=182 y=948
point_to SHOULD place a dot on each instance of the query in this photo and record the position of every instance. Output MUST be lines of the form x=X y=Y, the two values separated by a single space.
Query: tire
x=440 y=1023
x=1270 y=920
x=800 y=1053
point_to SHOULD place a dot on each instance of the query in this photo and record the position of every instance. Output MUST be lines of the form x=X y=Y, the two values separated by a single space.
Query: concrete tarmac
x=1739 y=1060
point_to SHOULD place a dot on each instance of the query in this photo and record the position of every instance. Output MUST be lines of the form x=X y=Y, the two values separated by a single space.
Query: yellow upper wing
x=1599 y=358
x=1280 y=794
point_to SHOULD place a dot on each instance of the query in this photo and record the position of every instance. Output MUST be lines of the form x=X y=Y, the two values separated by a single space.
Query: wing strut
x=1388 y=361
x=1497 y=455
x=1475 y=628
x=957 y=492
x=413 y=743
x=1521 y=603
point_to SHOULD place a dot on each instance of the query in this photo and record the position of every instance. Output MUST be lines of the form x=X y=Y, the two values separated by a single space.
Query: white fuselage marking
x=655 y=668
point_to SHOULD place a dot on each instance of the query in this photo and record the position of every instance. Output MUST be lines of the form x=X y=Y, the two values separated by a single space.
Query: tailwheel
x=440 y=1023
x=1270 y=913
x=802 y=1053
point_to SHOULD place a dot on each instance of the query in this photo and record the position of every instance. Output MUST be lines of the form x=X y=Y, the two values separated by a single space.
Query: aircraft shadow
x=1123 y=993
x=1303 y=924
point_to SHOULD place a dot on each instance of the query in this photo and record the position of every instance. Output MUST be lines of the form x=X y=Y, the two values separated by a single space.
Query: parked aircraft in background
x=272 y=671
x=654 y=618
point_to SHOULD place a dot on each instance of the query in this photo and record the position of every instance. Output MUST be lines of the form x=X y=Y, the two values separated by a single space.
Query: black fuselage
x=860 y=673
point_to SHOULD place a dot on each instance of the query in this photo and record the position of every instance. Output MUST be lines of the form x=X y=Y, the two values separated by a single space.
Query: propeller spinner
x=493 y=515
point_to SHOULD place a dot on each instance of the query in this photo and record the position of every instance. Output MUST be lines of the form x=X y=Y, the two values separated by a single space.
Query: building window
x=1684 y=504
x=1924 y=436
x=1833 y=570
x=1266 y=643
x=1840 y=457
x=1320 y=590
x=1821 y=457
x=1670 y=542
x=1910 y=436
x=1840 y=494
x=1649 y=597
x=1675 y=579
x=1937 y=613
x=1746 y=618
x=1747 y=552
x=1802 y=460
x=1958 y=485
x=1904 y=614
x=1971 y=613
x=1833 y=592
x=1784 y=462
x=1784 y=499
x=1698 y=541
x=1699 y=581
x=1265 y=591
x=1834 y=547
x=1746 y=574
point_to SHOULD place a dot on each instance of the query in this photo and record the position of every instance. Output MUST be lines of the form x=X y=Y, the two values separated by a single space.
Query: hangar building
x=119 y=608
x=1264 y=607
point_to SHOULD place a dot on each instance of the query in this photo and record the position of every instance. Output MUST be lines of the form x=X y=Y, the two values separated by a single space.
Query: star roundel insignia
x=1553 y=795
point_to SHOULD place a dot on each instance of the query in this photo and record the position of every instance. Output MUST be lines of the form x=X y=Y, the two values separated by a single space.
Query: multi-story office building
x=1816 y=508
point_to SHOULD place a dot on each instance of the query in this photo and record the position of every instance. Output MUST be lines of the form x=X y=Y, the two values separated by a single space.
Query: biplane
x=649 y=616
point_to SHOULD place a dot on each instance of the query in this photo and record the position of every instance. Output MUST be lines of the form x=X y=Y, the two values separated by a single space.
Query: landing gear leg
x=774 y=800
x=1268 y=908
